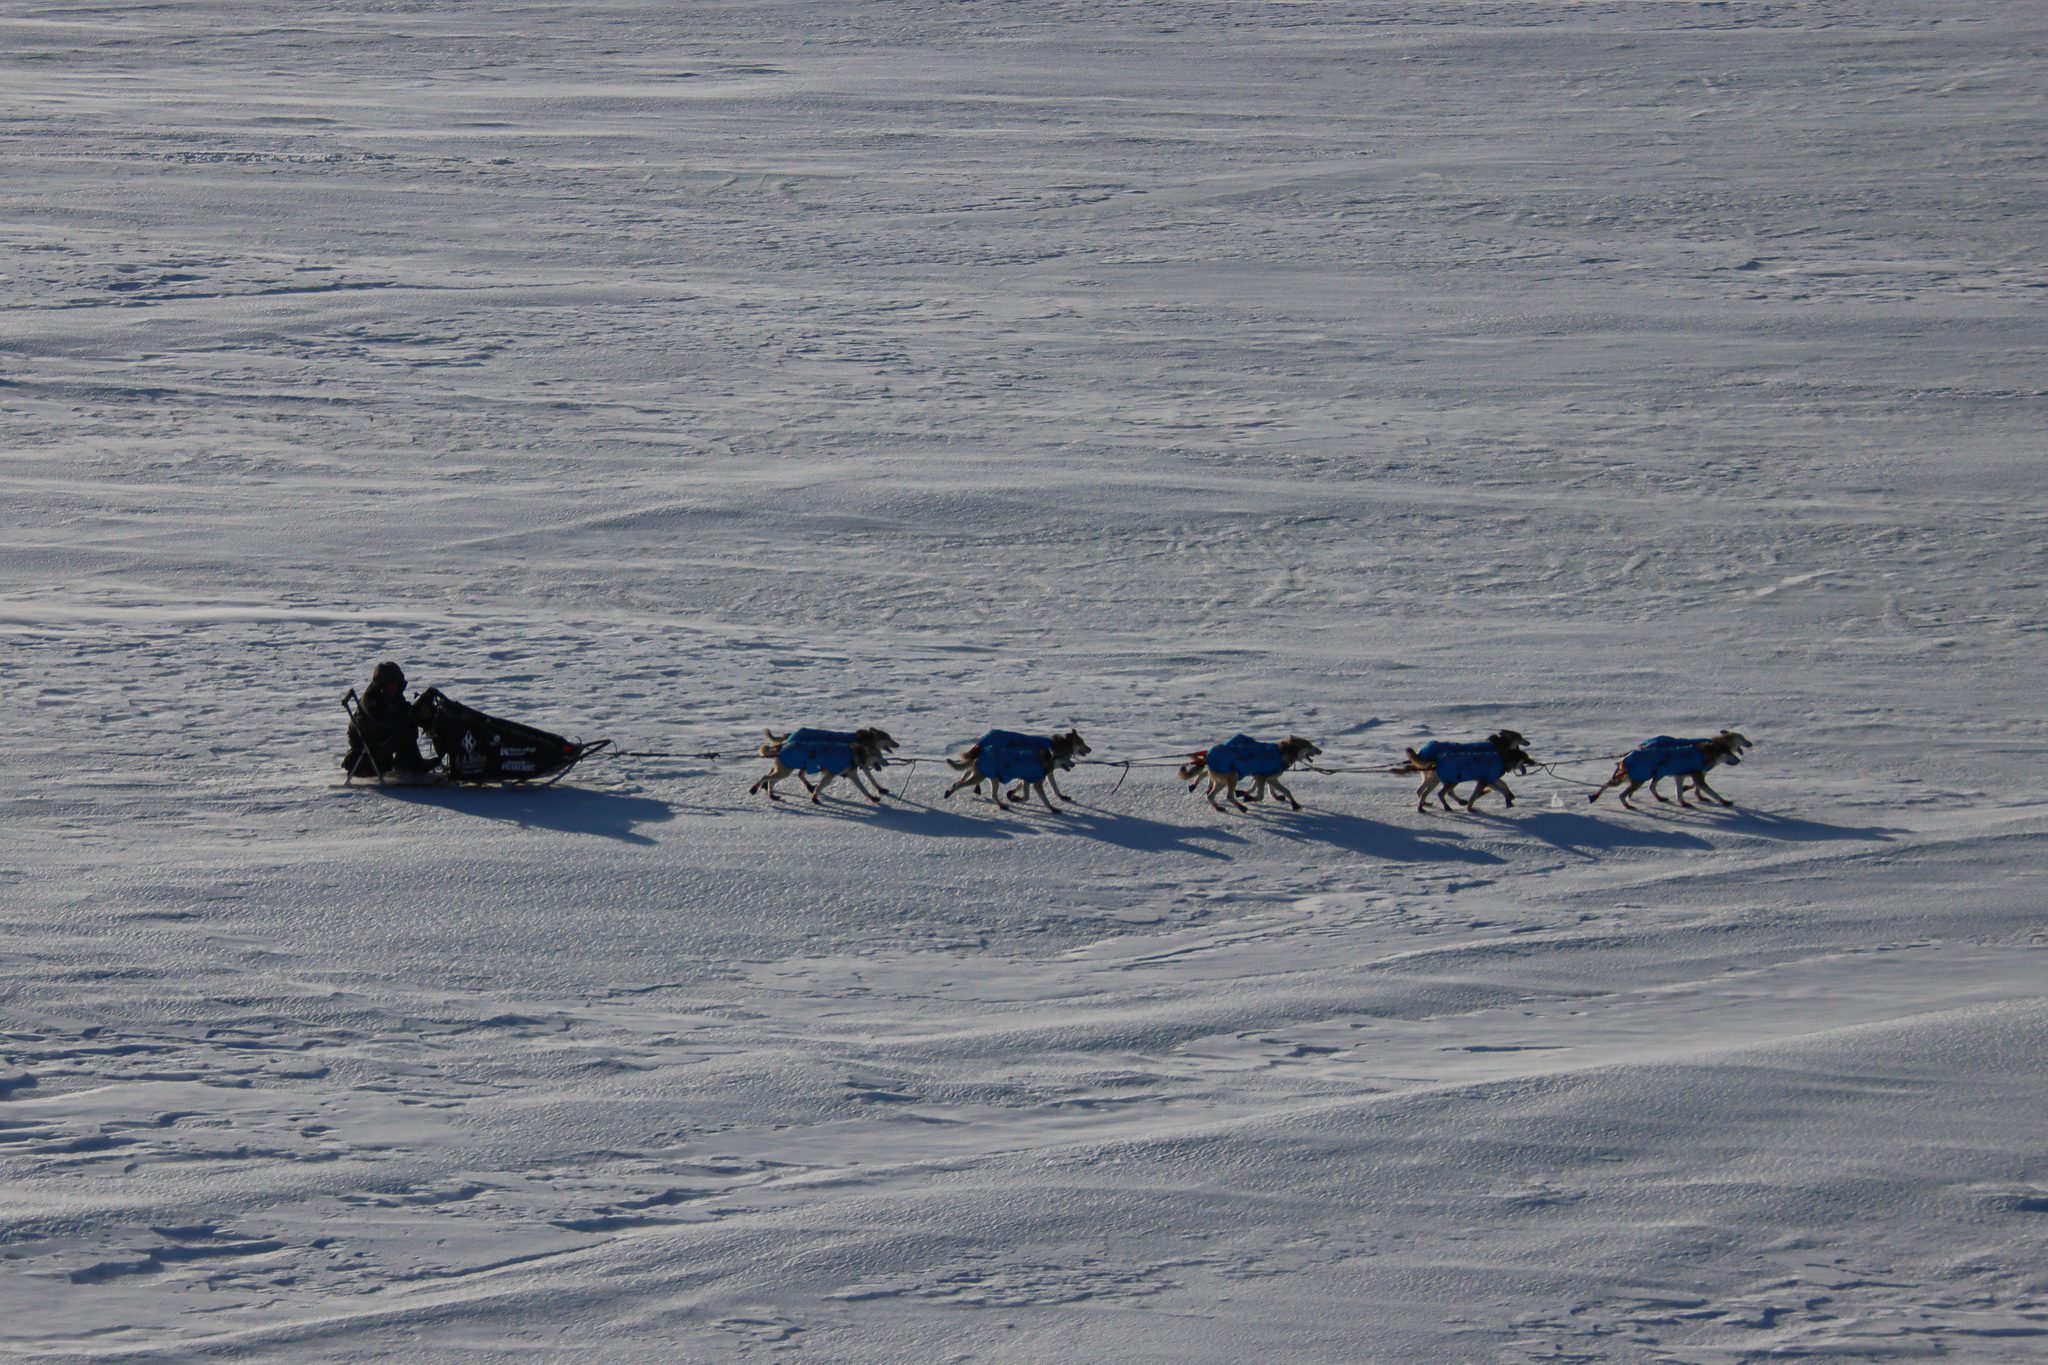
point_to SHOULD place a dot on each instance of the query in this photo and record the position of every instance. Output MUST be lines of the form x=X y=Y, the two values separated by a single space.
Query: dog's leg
x=1630 y=790
x=853 y=774
x=1039 y=787
x=1478 y=790
x=1699 y=784
x=1053 y=780
x=1422 y=793
x=966 y=778
x=824 y=781
x=1286 y=793
x=1446 y=793
x=1505 y=794
x=1660 y=795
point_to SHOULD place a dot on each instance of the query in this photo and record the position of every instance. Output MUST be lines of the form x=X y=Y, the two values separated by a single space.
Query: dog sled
x=478 y=749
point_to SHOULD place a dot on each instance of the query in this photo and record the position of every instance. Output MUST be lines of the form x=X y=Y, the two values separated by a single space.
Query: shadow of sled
x=568 y=810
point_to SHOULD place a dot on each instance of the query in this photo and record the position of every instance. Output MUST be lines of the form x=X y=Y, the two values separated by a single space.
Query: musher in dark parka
x=385 y=734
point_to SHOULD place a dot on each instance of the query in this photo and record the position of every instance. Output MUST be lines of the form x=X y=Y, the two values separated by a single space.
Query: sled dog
x=1486 y=762
x=1030 y=761
x=832 y=753
x=1241 y=758
x=1682 y=760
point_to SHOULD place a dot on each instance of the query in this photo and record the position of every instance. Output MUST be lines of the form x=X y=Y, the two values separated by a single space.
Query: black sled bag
x=480 y=748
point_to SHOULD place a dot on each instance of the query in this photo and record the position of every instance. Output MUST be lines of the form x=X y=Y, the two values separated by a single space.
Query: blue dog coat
x=1007 y=756
x=818 y=751
x=1013 y=739
x=1664 y=757
x=1463 y=761
x=1247 y=757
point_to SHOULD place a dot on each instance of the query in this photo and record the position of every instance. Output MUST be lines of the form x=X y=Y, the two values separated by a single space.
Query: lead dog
x=1679 y=759
x=834 y=753
x=1241 y=757
x=1031 y=761
x=1444 y=765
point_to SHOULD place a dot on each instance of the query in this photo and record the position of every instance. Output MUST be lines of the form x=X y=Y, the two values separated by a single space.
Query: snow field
x=1367 y=372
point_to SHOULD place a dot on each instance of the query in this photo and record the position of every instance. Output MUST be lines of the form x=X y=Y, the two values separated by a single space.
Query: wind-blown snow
x=1366 y=372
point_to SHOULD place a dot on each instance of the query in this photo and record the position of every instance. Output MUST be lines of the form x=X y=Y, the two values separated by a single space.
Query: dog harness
x=818 y=751
x=1247 y=757
x=1463 y=761
x=1665 y=757
x=1009 y=756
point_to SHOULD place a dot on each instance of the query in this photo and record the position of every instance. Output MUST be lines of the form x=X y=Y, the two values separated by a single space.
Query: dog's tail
x=1197 y=764
x=773 y=748
x=965 y=761
x=1416 y=764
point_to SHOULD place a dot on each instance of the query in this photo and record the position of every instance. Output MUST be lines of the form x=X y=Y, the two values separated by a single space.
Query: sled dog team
x=384 y=731
x=1031 y=763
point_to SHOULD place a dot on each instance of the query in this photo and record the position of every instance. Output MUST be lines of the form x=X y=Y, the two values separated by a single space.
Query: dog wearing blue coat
x=1682 y=760
x=831 y=753
x=1030 y=761
x=1242 y=758
x=1445 y=763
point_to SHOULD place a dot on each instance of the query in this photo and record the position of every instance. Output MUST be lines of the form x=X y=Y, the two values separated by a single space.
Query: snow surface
x=1370 y=372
